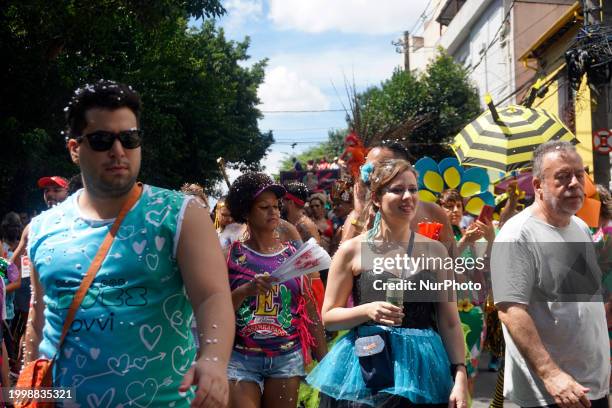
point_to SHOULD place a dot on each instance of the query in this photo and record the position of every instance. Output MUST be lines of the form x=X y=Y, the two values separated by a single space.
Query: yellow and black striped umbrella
x=505 y=139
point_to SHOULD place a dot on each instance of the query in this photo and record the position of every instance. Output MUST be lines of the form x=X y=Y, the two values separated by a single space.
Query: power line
x=302 y=129
x=531 y=82
x=519 y=35
x=303 y=111
x=421 y=18
x=292 y=143
x=495 y=38
x=302 y=140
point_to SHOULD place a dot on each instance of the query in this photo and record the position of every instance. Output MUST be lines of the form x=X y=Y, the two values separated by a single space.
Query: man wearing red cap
x=293 y=208
x=55 y=189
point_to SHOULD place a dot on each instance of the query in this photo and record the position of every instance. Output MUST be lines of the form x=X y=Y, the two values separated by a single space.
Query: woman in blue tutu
x=410 y=355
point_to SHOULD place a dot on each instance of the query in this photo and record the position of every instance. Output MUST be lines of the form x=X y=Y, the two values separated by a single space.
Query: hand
x=566 y=391
x=385 y=313
x=359 y=197
x=261 y=284
x=472 y=234
x=210 y=378
x=487 y=230
x=459 y=394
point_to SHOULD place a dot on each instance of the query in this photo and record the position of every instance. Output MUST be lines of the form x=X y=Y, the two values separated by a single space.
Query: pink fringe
x=302 y=324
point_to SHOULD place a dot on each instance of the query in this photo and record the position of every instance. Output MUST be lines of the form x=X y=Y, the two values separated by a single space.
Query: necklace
x=275 y=247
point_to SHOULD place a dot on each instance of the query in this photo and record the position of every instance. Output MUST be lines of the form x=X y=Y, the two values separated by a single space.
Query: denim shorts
x=243 y=367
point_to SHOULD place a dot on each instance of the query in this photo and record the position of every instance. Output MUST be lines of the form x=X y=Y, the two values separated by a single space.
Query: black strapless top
x=417 y=315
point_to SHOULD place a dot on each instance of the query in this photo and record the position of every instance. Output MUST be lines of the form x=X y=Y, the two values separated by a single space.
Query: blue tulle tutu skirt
x=421 y=368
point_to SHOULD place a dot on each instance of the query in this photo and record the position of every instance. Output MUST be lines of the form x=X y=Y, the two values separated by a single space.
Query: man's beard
x=561 y=205
x=111 y=190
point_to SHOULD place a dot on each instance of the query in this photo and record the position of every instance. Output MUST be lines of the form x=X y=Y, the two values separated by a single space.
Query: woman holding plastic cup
x=276 y=323
x=425 y=368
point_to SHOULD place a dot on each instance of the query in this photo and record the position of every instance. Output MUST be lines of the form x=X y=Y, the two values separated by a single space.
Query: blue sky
x=312 y=46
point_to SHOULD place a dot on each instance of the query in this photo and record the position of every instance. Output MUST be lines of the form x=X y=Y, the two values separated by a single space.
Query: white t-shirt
x=553 y=271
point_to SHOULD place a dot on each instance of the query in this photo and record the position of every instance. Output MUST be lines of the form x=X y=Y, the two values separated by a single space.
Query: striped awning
x=505 y=139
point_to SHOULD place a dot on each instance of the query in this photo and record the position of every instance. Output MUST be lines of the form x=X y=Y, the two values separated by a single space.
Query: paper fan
x=309 y=258
x=472 y=184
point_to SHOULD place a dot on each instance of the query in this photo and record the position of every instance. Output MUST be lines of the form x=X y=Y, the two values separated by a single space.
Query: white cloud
x=239 y=12
x=284 y=89
x=347 y=16
x=273 y=160
x=367 y=64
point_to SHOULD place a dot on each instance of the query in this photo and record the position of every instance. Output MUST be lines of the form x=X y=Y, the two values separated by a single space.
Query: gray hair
x=549 y=147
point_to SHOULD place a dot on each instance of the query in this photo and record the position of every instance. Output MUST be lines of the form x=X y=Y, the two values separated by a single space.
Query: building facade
x=508 y=45
x=580 y=97
x=486 y=37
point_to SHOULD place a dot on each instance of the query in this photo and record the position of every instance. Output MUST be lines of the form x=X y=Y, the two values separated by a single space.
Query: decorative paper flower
x=591 y=207
x=4 y=267
x=366 y=171
x=472 y=184
x=464 y=305
x=342 y=191
x=8 y=270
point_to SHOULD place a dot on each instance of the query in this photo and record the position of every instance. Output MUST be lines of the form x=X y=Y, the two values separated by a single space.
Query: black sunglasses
x=101 y=140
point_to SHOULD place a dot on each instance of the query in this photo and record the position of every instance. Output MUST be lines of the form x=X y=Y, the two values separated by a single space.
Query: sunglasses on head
x=102 y=140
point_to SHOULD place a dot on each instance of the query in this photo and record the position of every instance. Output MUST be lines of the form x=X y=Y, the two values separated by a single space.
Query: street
x=485 y=386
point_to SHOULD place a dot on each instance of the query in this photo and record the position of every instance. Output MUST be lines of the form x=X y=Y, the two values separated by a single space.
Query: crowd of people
x=143 y=296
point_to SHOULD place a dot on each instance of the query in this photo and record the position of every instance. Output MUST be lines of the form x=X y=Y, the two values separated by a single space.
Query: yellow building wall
x=550 y=103
x=584 y=128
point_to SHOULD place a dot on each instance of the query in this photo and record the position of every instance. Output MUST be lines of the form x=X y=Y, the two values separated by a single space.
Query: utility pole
x=593 y=11
x=597 y=12
x=406 y=51
x=403 y=46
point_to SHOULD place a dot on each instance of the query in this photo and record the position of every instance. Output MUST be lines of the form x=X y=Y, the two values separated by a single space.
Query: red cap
x=53 y=181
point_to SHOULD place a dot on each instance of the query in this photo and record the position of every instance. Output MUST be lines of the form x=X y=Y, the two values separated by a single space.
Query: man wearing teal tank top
x=130 y=343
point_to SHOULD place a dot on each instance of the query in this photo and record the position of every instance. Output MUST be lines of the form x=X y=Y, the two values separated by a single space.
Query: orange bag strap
x=97 y=261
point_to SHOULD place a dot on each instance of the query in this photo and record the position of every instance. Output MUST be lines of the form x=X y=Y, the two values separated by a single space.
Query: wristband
x=454 y=367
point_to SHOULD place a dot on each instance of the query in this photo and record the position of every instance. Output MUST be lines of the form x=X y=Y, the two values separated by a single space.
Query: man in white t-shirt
x=546 y=285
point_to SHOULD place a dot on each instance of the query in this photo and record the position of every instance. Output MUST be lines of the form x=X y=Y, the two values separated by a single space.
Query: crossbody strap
x=97 y=261
x=410 y=244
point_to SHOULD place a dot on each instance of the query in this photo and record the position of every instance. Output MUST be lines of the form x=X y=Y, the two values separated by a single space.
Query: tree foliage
x=334 y=146
x=199 y=98
x=443 y=97
x=430 y=109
